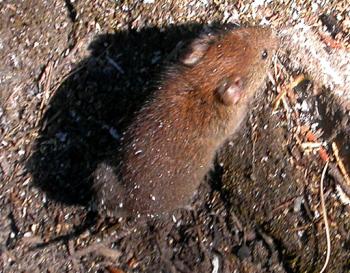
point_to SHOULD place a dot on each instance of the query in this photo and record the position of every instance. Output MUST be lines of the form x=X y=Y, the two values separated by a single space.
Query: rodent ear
x=197 y=49
x=230 y=91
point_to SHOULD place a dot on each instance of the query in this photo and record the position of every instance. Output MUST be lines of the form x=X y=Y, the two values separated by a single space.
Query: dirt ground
x=72 y=75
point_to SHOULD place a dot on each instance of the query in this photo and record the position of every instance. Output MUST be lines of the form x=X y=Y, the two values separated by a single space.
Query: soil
x=72 y=76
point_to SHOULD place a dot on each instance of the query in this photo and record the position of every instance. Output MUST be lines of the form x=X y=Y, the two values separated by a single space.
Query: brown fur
x=171 y=144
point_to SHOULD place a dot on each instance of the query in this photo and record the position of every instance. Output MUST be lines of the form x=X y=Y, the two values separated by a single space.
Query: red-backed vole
x=172 y=142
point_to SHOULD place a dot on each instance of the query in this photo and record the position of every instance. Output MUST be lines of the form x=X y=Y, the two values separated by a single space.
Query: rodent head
x=231 y=65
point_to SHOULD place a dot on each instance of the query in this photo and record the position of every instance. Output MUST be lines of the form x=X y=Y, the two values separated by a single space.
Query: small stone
x=28 y=234
x=34 y=228
x=243 y=252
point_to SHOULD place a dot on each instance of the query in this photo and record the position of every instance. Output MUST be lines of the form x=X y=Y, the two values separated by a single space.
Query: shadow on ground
x=93 y=106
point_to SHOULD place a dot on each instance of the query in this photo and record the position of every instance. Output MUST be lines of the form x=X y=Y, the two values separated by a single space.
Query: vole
x=201 y=101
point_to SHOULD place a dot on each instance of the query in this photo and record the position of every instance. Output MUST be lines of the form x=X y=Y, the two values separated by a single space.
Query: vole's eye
x=264 y=54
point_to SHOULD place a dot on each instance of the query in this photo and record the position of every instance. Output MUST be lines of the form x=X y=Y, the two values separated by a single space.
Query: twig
x=267 y=239
x=325 y=219
x=271 y=77
x=45 y=81
x=340 y=163
x=342 y=196
x=302 y=228
x=71 y=251
x=311 y=145
x=284 y=204
x=311 y=137
x=287 y=108
x=115 y=65
x=283 y=91
x=96 y=247
x=338 y=177
x=236 y=221
x=100 y=246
